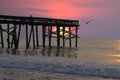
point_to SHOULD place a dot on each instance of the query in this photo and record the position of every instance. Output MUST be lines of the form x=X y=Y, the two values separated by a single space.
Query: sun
x=66 y=31
x=54 y=29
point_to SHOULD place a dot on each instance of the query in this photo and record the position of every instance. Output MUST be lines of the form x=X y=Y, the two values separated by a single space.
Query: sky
x=105 y=14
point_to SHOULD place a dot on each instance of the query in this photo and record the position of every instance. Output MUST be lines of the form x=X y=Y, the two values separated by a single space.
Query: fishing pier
x=10 y=31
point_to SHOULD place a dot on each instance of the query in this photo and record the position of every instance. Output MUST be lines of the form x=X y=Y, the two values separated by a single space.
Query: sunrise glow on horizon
x=104 y=13
x=66 y=33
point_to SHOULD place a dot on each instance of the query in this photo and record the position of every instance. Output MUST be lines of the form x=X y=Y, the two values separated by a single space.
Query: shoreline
x=19 y=74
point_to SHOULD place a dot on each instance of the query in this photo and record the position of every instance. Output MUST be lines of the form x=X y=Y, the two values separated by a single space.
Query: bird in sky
x=87 y=22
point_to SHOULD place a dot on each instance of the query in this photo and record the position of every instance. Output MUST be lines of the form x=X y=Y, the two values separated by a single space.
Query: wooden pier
x=11 y=25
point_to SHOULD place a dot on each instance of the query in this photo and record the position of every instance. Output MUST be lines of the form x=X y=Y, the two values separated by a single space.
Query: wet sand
x=16 y=74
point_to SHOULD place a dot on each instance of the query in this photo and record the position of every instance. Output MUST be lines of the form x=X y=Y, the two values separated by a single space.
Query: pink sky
x=104 y=13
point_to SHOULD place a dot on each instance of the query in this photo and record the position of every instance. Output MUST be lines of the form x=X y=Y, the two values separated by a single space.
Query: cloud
x=94 y=3
x=36 y=10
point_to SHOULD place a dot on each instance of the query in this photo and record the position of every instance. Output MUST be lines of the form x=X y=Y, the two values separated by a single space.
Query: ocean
x=92 y=57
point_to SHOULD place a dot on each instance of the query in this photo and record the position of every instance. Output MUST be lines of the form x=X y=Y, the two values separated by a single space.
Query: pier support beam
x=63 y=36
x=30 y=32
x=27 y=36
x=14 y=37
x=50 y=34
x=33 y=32
x=8 y=35
x=76 y=35
x=37 y=39
x=31 y=35
x=43 y=35
x=58 y=36
x=18 y=38
x=69 y=36
x=1 y=34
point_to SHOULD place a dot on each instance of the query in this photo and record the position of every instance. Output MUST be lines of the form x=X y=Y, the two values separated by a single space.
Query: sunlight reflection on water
x=118 y=44
x=103 y=51
x=117 y=55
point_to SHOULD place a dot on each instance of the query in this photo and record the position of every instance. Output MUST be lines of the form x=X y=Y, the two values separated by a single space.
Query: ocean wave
x=60 y=65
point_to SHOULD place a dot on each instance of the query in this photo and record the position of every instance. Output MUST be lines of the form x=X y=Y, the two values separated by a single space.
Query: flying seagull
x=87 y=22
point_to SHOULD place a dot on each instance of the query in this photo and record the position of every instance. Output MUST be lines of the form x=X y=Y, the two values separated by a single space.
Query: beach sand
x=18 y=74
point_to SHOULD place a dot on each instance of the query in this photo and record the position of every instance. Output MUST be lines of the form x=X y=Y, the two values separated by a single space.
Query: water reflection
x=53 y=52
x=117 y=61
x=115 y=58
x=59 y=52
x=116 y=55
x=118 y=45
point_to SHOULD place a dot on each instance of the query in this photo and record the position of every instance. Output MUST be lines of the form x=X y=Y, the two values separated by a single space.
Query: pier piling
x=1 y=33
x=63 y=36
x=69 y=36
x=37 y=38
x=8 y=39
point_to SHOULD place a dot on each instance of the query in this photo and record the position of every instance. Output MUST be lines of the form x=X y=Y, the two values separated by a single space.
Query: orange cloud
x=61 y=9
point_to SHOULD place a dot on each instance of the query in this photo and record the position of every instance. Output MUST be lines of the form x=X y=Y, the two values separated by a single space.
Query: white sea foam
x=61 y=65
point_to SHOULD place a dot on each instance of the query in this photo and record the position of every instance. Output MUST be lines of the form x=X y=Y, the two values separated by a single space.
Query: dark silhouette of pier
x=31 y=25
